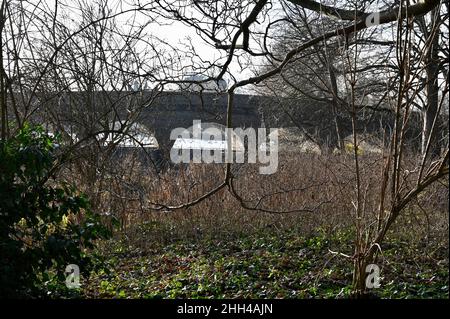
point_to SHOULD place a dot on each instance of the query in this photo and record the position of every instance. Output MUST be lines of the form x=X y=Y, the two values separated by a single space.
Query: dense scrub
x=216 y=248
x=219 y=249
x=44 y=225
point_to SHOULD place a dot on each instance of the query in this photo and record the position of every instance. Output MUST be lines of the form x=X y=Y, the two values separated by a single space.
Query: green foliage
x=262 y=265
x=259 y=266
x=350 y=149
x=44 y=225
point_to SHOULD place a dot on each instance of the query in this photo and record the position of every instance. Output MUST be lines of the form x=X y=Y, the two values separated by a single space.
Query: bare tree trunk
x=335 y=105
x=432 y=90
x=2 y=80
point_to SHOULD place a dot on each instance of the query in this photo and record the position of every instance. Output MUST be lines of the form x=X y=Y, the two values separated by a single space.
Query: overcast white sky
x=176 y=34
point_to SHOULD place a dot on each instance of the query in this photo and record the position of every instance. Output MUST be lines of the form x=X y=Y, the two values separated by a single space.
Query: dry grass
x=324 y=184
x=171 y=254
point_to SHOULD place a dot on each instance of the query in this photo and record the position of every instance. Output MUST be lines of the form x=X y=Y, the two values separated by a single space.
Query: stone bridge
x=171 y=110
x=163 y=111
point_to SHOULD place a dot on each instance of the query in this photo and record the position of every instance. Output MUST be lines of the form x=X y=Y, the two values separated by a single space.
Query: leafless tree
x=231 y=27
x=45 y=54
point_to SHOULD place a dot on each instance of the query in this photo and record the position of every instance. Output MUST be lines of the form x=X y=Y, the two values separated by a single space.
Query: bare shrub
x=323 y=184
